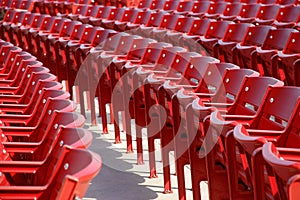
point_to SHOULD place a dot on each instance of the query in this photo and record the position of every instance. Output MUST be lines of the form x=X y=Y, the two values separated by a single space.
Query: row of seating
x=257 y=106
x=16 y=4
x=163 y=83
x=42 y=138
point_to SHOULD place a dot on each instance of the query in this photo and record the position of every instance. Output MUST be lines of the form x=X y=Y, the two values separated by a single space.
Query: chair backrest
x=5 y=51
x=217 y=29
x=256 y=35
x=155 y=19
x=167 y=56
x=80 y=9
x=28 y=18
x=268 y=12
x=153 y=52
x=200 y=6
x=249 y=10
x=67 y=28
x=138 y=48
x=185 y=6
x=184 y=24
x=124 y=44
x=18 y=17
x=232 y=9
x=25 y=4
x=88 y=35
x=180 y=63
x=171 y=5
x=144 y=4
x=231 y=85
x=54 y=136
x=251 y=95
x=103 y=12
x=213 y=77
x=196 y=69
x=277 y=39
x=199 y=26
x=45 y=115
x=169 y=21
x=72 y=174
x=236 y=32
x=101 y=35
x=37 y=21
x=293 y=44
x=91 y=10
x=142 y=17
x=57 y=25
x=116 y=13
x=289 y=13
x=129 y=15
x=47 y=23
x=9 y=15
x=111 y=43
x=277 y=108
x=157 y=4
x=78 y=31
x=216 y=7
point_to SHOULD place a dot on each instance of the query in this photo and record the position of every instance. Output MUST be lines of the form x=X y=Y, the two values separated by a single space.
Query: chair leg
x=139 y=144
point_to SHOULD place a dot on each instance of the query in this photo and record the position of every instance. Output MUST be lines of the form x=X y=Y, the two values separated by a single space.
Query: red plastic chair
x=275 y=41
x=24 y=32
x=141 y=19
x=266 y=14
x=157 y=5
x=287 y=16
x=199 y=7
x=198 y=28
x=271 y=117
x=248 y=13
x=78 y=10
x=44 y=42
x=183 y=25
x=216 y=31
x=54 y=137
x=45 y=28
x=129 y=16
x=243 y=51
x=285 y=59
x=135 y=53
x=91 y=12
x=115 y=14
x=32 y=128
x=214 y=10
x=103 y=13
x=231 y=11
x=223 y=49
x=184 y=7
x=186 y=143
x=144 y=4
x=17 y=19
x=154 y=21
x=52 y=44
x=14 y=28
x=66 y=172
x=283 y=169
x=170 y=5
x=168 y=22
x=192 y=77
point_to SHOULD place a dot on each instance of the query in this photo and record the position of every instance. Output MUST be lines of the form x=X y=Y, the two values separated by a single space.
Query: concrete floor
x=122 y=179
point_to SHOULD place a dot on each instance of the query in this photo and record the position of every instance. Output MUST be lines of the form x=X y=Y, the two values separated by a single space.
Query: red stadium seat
x=243 y=51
